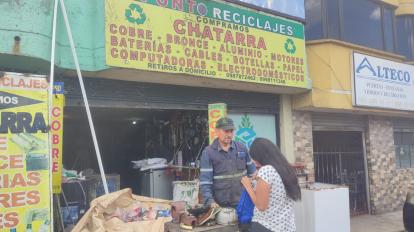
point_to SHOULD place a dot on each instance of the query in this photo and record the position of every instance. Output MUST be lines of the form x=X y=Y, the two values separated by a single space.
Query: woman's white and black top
x=279 y=216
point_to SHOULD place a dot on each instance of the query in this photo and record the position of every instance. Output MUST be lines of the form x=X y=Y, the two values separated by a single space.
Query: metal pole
x=85 y=99
x=50 y=101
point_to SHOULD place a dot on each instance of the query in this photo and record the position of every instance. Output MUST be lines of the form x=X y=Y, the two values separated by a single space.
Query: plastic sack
x=245 y=208
x=99 y=217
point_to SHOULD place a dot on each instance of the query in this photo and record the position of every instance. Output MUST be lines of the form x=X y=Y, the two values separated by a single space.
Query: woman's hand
x=254 y=175
x=247 y=183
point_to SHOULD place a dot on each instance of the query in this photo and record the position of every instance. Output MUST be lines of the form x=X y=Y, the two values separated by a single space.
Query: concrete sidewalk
x=389 y=222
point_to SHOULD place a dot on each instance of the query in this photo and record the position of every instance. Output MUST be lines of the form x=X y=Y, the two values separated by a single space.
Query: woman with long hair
x=276 y=189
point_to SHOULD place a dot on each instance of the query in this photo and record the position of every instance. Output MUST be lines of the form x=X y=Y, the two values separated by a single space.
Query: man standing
x=223 y=164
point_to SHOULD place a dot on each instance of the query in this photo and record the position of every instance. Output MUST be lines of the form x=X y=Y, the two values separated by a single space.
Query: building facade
x=113 y=44
x=151 y=68
x=356 y=126
x=320 y=115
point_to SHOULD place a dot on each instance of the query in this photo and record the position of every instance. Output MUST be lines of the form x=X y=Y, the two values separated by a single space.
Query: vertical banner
x=215 y=112
x=57 y=136
x=24 y=153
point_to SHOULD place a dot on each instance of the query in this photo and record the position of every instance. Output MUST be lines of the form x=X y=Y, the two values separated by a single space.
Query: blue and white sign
x=294 y=8
x=251 y=126
x=382 y=83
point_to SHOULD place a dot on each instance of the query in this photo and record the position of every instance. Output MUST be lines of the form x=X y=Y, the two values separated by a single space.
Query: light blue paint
x=32 y=22
x=264 y=125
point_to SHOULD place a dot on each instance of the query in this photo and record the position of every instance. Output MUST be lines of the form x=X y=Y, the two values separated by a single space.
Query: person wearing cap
x=222 y=166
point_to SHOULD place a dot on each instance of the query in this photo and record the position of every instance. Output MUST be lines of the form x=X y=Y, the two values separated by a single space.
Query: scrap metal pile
x=189 y=218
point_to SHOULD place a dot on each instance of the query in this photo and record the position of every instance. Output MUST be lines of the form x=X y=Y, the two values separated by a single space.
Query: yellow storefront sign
x=24 y=154
x=205 y=38
x=57 y=135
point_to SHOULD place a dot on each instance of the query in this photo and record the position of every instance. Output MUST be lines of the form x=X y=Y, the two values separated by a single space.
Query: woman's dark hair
x=267 y=153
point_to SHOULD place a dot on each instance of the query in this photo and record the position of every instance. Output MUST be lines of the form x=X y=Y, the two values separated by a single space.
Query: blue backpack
x=245 y=208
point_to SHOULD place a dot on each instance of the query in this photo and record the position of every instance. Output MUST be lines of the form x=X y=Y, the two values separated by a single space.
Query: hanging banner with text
x=382 y=83
x=57 y=136
x=205 y=38
x=215 y=112
x=24 y=153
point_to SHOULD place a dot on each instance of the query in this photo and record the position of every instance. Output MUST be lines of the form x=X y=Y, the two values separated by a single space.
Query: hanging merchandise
x=188 y=135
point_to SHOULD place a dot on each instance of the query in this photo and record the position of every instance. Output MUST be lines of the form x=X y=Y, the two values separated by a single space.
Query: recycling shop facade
x=167 y=55
x=356 y=125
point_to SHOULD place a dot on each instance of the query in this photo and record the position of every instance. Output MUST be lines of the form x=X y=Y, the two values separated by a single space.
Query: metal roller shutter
x=125 y=94
x=403 y=124
x=342 y=122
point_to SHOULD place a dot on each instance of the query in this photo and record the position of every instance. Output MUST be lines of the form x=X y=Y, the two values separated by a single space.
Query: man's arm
x=206 y=178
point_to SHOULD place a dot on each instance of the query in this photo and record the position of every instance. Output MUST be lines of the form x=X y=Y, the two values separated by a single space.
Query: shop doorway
x=339 y=159
x=127 y=135
x=139 y=121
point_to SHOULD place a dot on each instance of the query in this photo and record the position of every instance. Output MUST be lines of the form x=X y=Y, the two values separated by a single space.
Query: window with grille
x=404 y=149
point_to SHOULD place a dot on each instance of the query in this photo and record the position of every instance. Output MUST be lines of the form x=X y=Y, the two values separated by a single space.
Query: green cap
x=225 y=124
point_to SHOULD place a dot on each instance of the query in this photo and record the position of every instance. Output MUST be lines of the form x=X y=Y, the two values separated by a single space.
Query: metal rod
x=85 y=99
x=337 y=172
x=341 y=179
x=50 y=106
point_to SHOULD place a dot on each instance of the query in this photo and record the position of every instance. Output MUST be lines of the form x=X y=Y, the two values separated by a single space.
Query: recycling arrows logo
x=290 y=46
x=137 y=10
x=8 y=100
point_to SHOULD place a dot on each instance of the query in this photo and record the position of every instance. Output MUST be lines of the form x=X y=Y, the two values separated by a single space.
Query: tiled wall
x=387 y=184
x=302 y=140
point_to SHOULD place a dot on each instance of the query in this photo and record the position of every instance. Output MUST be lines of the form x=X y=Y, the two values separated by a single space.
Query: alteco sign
x=383 y=83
